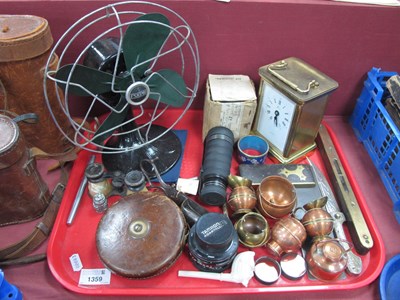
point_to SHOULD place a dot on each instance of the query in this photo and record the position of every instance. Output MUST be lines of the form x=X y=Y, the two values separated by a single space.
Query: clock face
x=276 y=116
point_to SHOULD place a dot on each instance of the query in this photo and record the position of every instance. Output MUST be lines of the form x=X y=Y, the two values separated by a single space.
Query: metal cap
x=293 y=266
x=267 y=270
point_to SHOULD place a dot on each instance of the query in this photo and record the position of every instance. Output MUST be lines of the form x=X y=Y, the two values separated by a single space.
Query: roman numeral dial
x=276 y=115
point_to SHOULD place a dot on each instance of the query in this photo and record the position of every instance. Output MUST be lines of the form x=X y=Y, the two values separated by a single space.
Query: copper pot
x=317 y=222
x=253 y=230
x=327 y=259
x=276 y=197
x=287 y=235
x=242 y=200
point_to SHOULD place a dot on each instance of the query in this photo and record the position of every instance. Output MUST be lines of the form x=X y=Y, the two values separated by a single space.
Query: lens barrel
x=213 y=243
x=218 y=149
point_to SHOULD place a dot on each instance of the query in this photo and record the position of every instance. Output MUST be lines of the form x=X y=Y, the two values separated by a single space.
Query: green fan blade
x=113 y=119
x=170 y=85
x=94 y=81
x=142 y=41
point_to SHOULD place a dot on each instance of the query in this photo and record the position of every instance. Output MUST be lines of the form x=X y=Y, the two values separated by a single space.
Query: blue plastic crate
x=375 y=128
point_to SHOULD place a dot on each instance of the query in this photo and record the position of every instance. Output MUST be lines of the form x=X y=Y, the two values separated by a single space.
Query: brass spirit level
x=358 y=228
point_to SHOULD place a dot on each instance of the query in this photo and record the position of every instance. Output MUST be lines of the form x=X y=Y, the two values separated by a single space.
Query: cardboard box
x=230 y=101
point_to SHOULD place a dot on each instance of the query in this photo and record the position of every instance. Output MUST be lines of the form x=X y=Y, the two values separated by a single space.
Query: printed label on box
x=226 y=88
x=231 y=117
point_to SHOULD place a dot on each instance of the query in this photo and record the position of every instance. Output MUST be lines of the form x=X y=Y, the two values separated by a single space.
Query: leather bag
x=24 y=196
x=25 y=43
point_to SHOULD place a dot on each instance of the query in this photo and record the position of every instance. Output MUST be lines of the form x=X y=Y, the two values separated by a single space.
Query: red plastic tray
x=80 y=238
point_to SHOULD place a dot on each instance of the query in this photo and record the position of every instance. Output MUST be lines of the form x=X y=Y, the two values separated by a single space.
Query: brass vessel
x=317 y=203
x=236 y=181
x=253 y=230
x=242 y=198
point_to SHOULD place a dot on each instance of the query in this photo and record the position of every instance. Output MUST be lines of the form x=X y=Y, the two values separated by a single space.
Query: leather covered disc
x=141 y=235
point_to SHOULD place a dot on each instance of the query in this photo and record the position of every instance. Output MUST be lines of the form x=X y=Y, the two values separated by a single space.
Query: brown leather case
x=25 y=43
x=141 y=235
x=23 y=194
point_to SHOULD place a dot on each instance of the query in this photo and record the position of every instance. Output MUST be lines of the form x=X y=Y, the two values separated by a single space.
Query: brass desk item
x=358 y=228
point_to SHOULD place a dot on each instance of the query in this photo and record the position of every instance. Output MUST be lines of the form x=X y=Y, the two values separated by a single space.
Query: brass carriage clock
x=293 y=97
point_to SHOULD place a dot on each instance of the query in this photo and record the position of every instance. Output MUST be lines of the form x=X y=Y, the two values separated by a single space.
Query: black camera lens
x=218 y=149
x=213 y=242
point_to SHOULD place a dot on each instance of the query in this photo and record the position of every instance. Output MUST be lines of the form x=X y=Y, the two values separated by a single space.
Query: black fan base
x=165 y=151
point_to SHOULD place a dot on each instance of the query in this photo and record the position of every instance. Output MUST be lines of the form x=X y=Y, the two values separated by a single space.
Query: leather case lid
x=141 y=235
x=23 y=37
x=9 y=134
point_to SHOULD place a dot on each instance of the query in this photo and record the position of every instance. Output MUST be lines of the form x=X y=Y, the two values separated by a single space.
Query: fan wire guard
x=179 y=52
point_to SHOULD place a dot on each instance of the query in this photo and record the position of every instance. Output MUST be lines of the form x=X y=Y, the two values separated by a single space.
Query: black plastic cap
x=214 y=195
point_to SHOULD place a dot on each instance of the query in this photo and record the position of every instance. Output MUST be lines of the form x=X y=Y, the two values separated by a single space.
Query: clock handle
x=282 y=65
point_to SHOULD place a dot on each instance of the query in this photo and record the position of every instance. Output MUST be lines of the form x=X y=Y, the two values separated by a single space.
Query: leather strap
x=15 y=253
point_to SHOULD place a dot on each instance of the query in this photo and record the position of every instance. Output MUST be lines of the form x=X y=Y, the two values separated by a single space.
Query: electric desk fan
x=128 y=65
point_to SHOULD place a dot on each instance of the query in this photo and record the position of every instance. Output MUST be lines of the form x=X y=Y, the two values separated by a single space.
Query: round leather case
x=23 y=37
x=25 y=43
x=141 y=235
x=24 y=195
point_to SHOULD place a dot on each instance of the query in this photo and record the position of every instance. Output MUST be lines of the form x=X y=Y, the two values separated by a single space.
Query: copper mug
x=287 y=235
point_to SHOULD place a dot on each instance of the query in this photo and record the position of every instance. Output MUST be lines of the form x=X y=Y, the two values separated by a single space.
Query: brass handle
x=282 y=65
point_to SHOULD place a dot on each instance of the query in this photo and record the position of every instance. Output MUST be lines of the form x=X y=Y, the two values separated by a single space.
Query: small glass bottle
x=100 y=202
